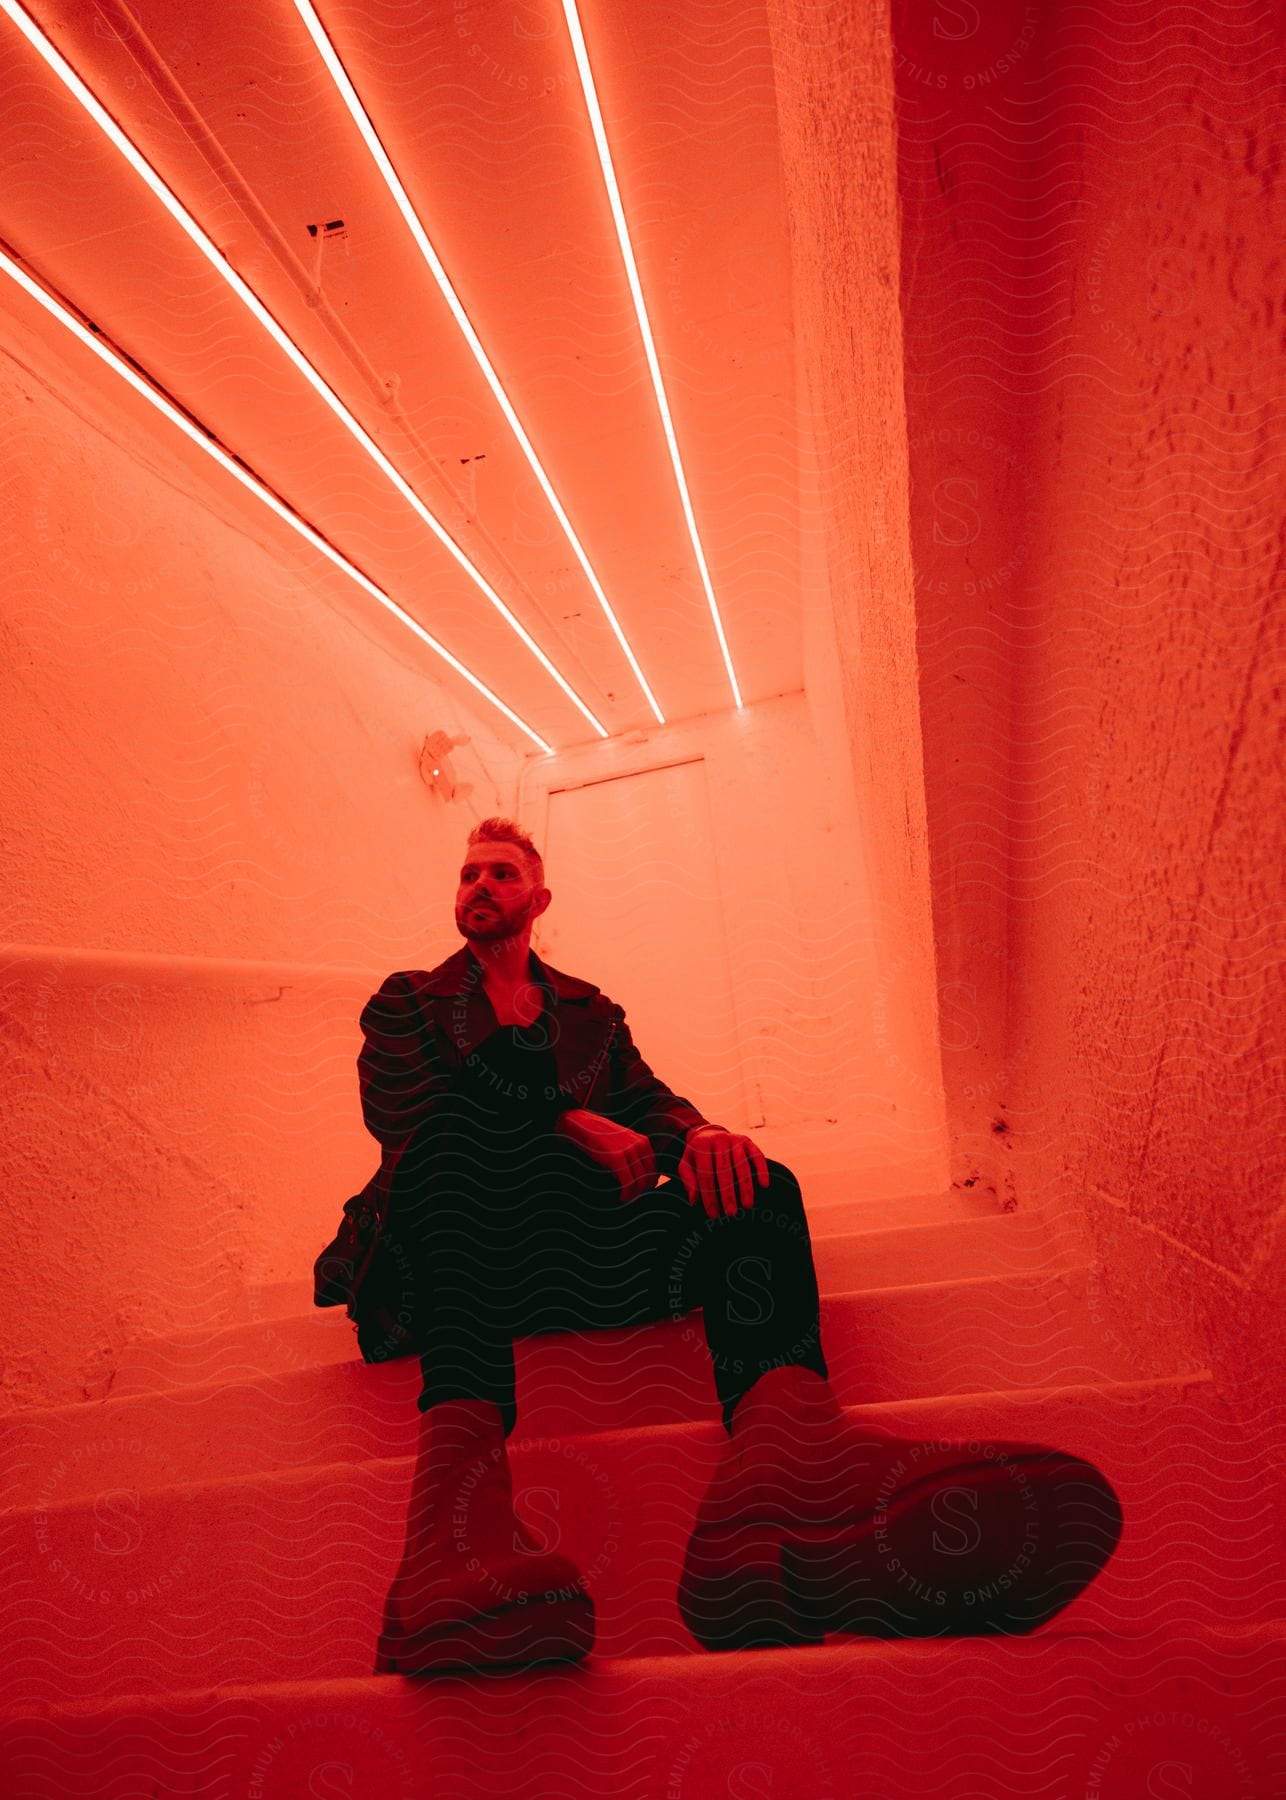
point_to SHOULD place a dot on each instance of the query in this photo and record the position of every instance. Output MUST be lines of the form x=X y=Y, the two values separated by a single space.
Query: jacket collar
x=460 y=974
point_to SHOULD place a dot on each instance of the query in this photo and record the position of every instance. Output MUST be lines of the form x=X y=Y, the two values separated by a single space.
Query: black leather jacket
x=418 y=1030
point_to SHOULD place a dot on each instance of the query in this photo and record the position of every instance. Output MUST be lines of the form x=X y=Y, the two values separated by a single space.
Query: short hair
x=506 y=831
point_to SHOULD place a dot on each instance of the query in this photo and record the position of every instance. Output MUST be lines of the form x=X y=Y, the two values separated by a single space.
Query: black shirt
x=512 y=1075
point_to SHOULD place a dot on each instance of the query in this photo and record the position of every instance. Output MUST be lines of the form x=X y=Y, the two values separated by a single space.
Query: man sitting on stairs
x=523 y=1136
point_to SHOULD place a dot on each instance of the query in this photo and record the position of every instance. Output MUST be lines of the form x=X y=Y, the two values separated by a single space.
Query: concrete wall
x=967 y=303
x=1093 y=211
x=211 y=796
x=838 y=146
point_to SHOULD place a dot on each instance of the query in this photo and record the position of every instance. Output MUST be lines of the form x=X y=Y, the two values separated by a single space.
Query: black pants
x=516 y=1231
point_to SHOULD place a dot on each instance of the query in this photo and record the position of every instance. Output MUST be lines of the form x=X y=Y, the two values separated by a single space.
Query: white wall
x=209 y=754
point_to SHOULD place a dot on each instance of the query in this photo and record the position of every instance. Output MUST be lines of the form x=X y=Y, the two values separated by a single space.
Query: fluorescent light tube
x=348 y=93
x=261 y=492
x=112 y=131
x=645 y=327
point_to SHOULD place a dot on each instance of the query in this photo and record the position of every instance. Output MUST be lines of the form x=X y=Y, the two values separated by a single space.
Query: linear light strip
x=112 y=131
x=645 y=327
x=261 y=492
x=361 y=118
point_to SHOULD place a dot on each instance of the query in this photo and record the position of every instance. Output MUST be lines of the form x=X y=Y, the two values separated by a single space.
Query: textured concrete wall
x=211 y=753
x=838 y=146
x=968 y=302
x=1093 y=279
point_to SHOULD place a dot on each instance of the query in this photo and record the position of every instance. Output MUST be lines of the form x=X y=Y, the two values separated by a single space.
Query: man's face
x=497 y=897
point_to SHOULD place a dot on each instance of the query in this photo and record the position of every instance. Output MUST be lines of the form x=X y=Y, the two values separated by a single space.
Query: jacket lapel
x=462 y=1016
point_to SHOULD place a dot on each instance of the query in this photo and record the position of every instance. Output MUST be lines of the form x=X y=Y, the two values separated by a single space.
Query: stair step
x=849 y=1255
x=279 y=1575
x=297 y=1395
x=1067 y=1717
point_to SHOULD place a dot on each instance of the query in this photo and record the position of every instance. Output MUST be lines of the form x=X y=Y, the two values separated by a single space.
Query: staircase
x=196 y=1564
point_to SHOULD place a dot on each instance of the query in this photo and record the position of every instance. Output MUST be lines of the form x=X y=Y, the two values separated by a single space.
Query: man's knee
x=783 y=1184
x=781 y=1202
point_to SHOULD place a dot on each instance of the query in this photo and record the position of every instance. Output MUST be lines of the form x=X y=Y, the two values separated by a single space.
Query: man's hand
x=719 y=1168
x=628 y=1154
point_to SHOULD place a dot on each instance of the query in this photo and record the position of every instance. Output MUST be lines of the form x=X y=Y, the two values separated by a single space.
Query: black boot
x=474 y=1589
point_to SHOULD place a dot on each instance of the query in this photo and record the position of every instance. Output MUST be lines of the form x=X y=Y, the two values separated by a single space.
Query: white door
x=632 y=866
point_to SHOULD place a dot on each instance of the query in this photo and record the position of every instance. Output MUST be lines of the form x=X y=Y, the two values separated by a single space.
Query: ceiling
x=482 y=113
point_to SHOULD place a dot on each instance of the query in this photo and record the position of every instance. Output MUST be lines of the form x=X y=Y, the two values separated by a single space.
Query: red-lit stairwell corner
x=1048 y=679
